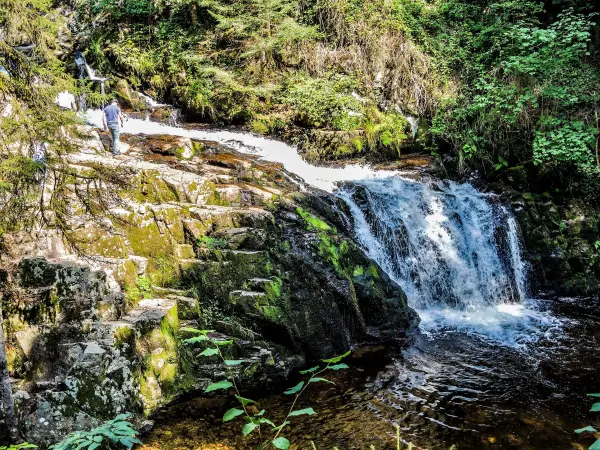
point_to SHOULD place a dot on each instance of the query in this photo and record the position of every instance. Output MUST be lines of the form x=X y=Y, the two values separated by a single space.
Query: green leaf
x=261 y=413
x=303 y=412
x=317 y=379
x=232 y=414
x=223 y=343
x=220 y=385
x=337 y=359
x=339 y=366
x=588 y=428
x=268 y=422
x=281 y=443
x=127 y=442
x=210 y=352
x=311 y=370
x=595 y=407
x=249 y=428
x=595 y=445
x=593 y=395
x=295 y=389
x=244 y=401
x=195 y=339
x=234 y=362
x=191 y=330
x=94 y=446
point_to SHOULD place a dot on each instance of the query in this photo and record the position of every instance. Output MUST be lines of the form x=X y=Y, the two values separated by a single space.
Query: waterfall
x=85 y=70
x=454 y=250
x=442 y=242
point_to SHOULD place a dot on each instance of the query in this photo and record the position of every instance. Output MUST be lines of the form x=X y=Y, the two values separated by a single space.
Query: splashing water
x=150 y=101
x=454 y=250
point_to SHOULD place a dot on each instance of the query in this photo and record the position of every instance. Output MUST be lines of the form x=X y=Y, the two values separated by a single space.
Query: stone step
x=167 y=292
x=187 y=307
x=259 y=284
x=242 y=296
x=256 y=304
x=233 y=256
x=149 y=313
x=232 y=217
x=245 y=238
x=232 y=274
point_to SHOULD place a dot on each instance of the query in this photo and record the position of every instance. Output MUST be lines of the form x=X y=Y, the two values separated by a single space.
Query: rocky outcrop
x=560 y=236
x=206 y=238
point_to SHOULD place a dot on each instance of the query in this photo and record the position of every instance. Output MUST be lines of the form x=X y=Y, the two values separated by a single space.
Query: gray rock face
x=561 y=239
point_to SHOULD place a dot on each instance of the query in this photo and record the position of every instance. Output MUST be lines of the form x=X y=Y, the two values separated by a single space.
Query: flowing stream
x=492 y=368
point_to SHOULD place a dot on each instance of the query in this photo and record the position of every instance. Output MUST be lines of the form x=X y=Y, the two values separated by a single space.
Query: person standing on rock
x=110 y=119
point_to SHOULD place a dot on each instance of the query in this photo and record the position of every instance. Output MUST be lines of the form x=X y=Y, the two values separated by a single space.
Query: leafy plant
x=501 y=163
x=324 y=102
x=140 y=290
x=213 y=243
x=118 y=431
x=259 y=421
x=589 y=428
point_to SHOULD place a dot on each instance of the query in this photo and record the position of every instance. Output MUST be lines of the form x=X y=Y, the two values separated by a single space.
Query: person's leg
x=115 y=134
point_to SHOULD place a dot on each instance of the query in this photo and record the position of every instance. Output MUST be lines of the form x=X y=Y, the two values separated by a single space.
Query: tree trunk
x=5 y=388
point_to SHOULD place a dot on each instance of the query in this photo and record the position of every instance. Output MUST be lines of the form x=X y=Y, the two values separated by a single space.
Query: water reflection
x=449 y=388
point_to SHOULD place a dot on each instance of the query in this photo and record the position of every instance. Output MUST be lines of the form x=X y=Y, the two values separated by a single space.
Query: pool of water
x=450 y=387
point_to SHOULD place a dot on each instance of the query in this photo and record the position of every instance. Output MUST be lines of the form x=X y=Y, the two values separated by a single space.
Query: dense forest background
x=500 y=82
x=497 y=84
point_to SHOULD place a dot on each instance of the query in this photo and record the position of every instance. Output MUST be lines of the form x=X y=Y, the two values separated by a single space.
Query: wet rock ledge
x=181 y=233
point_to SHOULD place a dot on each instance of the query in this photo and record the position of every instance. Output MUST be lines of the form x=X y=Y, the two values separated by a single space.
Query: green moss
x=158 y=376
x=163 y=271
x=217 y=199
x=15 y=359
x=335 y=255
x=273 y=289
x=93 y=241
x=150 y=187
x=313 y=222
x=272 y=313
x=124 y=339
x=198 y=147
x=149 y=241
x=212 y=243
x=358 y=271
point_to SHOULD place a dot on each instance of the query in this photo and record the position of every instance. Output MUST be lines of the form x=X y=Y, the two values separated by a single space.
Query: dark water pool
x=449 y=388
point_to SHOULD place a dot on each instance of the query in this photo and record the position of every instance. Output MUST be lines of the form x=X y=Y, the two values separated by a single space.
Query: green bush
x=324 y=102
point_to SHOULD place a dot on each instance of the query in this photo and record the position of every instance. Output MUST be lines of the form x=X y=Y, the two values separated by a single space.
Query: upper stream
x=492 y=367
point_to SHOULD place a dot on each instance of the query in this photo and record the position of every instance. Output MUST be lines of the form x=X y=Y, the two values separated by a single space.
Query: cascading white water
x=455 y=252
x=443 y=242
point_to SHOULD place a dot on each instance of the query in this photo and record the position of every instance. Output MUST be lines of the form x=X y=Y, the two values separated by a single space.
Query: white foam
x=508 y=324
x=150 y=101
x=325 y=178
